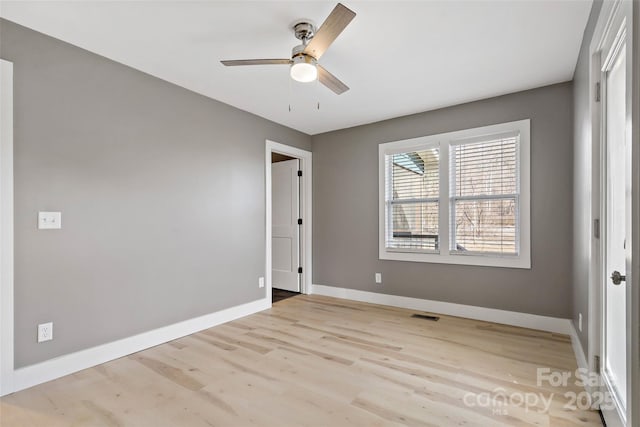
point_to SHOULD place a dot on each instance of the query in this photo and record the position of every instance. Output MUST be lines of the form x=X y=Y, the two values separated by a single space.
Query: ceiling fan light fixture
x=304 y=69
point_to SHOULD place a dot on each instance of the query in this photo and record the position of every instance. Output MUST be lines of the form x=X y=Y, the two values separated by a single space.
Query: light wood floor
x=316 y=361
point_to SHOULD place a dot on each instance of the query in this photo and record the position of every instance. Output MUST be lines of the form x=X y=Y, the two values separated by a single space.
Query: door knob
x=617 y=278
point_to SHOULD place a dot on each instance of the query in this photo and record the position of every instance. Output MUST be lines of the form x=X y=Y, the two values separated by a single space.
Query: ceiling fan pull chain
x=290 y=95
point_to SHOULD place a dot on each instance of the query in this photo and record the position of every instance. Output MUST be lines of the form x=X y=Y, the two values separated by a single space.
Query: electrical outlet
x=261 y=282
x=580 y=322
x=45 y=332
x=49 y=220
x=378 y=277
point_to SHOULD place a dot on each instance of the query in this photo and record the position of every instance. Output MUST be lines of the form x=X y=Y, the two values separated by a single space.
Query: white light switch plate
x=378 y=277
x=49 y=220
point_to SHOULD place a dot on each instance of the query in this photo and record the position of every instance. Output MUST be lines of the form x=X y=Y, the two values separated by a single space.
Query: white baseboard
x=64 y=365
x=513 y=318
x=577 y=347
x=580 y=356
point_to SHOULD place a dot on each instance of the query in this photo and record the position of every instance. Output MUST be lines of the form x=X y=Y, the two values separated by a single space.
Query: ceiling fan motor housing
x=298 y=51
x=303 y=58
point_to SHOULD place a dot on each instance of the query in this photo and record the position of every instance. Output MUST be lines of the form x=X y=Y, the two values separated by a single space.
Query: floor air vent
x=426 y=317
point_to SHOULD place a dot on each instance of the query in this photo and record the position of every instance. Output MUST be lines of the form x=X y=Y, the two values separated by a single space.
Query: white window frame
x=444 y=141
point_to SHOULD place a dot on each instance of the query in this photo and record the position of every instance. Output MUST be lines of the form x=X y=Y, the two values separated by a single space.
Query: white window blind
x=485 y=195
x=412 y=200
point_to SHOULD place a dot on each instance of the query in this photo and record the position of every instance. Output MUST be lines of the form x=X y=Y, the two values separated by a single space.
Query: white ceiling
x=398 y=57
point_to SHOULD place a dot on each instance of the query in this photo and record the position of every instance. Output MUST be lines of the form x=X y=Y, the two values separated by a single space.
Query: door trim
x=6 y=227
x=635 y=214
x=613 y=16
x=305 y=158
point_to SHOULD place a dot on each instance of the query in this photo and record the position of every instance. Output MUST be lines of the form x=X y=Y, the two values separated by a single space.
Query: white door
x=616 y=305
x=285 y=190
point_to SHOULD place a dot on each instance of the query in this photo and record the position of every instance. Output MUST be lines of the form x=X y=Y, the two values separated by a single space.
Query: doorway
x=288 y=220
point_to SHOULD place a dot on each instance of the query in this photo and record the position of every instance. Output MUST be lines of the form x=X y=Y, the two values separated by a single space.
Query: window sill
x=521 y=261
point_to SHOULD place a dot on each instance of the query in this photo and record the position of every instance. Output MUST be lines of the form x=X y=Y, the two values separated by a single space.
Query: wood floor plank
x=319 y=361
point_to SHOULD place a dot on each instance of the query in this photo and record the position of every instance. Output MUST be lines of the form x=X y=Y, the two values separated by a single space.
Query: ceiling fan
x=303 y=64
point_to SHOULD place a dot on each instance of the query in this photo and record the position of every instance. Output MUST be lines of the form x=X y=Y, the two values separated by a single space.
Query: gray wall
x=582 y=181
x=345 y=208
x=161 y=192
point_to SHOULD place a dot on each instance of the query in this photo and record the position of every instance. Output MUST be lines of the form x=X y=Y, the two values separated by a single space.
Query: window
x=413 y=200
x=460 y=197
x=485 y=196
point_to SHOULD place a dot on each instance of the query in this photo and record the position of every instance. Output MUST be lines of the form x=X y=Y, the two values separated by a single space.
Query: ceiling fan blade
x=331 y=81
x=335 y=23
x=236 y=62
